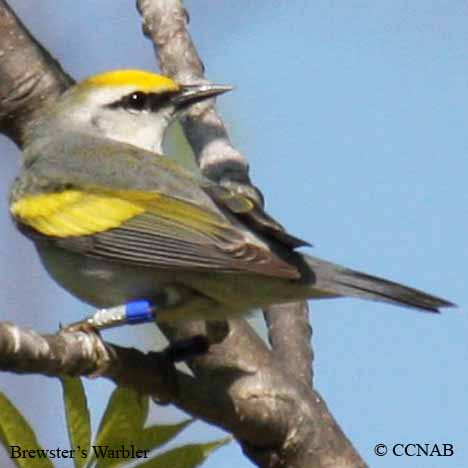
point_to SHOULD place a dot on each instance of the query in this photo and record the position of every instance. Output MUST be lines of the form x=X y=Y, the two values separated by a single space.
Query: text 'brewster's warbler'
x=115 y=222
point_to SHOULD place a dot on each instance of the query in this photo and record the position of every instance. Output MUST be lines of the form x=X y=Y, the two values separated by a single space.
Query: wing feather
x=146 y=228
x=253 y=215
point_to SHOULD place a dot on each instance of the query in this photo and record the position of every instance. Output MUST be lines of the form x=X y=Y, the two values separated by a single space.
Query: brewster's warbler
x=116 y=222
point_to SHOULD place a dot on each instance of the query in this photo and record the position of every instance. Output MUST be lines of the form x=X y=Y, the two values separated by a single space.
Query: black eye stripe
x=140 y=101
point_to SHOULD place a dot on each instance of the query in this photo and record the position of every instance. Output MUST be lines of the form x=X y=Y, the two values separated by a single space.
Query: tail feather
x=339 y=281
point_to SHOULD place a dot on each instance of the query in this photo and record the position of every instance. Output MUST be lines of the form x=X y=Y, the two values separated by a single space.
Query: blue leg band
x=139 y=312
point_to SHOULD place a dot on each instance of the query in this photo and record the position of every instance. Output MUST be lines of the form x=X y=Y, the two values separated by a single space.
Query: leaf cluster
x=122 y=426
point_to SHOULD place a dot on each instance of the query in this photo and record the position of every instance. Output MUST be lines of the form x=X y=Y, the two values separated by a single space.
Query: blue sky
x=353 y=116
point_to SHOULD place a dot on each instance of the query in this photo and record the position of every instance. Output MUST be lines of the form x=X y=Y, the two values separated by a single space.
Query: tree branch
x=289 y=333
x=85 y=354
x=248 y=395
x=30 y=77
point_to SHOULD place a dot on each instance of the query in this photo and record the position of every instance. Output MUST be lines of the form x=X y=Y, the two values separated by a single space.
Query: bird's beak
x=191 y=94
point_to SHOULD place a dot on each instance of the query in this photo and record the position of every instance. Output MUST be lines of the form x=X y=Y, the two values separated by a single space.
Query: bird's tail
x=334 y=280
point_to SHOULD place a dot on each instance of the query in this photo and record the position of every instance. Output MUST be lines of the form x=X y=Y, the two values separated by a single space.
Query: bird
x=128 y=230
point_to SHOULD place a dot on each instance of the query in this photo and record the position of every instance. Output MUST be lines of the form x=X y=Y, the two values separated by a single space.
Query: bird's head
x=132 y=106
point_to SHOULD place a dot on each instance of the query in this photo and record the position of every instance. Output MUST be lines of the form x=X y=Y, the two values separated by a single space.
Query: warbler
x=116 y=222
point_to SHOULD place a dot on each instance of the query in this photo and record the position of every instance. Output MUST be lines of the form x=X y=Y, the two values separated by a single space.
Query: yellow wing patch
x=73 y=213
x=76 y=213
x=141 y=80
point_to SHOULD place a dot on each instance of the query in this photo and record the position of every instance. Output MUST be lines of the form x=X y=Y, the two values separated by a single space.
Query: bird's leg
x=197 y=345
x=181 y=350
x=216 y=330
x=170 y=305
x=131 y=313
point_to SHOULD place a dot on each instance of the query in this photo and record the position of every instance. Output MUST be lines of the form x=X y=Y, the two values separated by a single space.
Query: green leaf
x=15 y=430
x=187 y=456
x=77 y=416
x=121 y=425
x=155 y=436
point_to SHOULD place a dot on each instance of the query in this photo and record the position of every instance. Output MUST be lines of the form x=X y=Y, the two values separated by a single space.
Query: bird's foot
x=186 y=349
x=216 y=332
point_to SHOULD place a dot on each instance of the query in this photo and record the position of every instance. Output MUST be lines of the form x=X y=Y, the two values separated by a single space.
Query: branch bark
x=30 y=76
x=289 y=335
x=247 y=394
x=239 y=384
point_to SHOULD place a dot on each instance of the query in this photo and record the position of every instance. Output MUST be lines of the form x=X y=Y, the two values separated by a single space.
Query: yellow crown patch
x=141 y=80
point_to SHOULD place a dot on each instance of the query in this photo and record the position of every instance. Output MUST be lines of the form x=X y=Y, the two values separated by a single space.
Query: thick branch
x=250 y=397
x=27 y=352
x=289 y=331
x=278 y=420
x=30 y=77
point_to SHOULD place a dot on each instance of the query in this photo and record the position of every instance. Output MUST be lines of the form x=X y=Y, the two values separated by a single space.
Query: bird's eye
x=137 y=101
